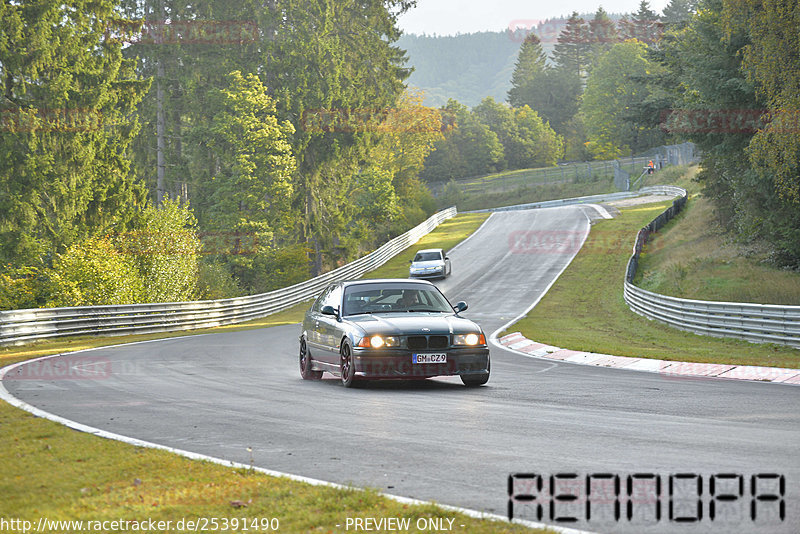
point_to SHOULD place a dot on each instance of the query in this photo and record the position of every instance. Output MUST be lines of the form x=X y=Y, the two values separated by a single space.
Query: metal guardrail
x=561 y=202
x=19 y=326
x=591 y=199
x=763 y=323
x=558 y=174
x=663 y=190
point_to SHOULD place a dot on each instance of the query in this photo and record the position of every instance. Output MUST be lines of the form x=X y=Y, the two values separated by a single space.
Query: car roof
x=430 y=250
x=379 y=281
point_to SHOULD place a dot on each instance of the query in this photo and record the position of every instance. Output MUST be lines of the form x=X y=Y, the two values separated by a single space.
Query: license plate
x=429 y=358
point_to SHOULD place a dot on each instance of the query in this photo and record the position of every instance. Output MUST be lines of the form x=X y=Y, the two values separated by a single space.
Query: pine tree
x=573 y=50
x=616 y=86
x=68 y=106
x=531 y=65
x=602 y=34
x=626 y=28
x=707 y=61
x=678 y=12
x=645 y=24
x=336 y=57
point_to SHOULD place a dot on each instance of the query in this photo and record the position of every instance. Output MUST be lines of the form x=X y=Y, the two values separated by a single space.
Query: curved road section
x=637 y=444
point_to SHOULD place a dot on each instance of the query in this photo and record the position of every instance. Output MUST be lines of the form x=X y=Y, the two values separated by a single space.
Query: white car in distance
x=430 y=263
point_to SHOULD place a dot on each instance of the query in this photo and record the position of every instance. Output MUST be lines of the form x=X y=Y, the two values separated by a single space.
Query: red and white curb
x=522 y=345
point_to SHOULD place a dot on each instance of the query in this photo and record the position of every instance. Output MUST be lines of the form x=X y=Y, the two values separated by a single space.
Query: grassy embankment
x=532 y=193
x=530 y=185
x=51 y=471
x=692 y=258
x=584 y=310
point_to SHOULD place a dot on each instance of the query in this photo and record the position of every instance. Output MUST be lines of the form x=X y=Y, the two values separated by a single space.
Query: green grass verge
x=446 y=236
x=51 y=471
x=530 y=193
x=54 y=472
x=535 y=185
x=541 y=175
x=585 y=311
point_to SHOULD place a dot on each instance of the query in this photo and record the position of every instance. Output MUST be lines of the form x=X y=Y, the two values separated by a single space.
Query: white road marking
x=9 y=398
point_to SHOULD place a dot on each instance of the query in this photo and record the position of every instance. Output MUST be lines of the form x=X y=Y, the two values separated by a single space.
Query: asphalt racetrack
x=437 y=440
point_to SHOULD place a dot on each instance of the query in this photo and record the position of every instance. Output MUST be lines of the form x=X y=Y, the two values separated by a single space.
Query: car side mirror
x=329 y=310
x=460 y=307
x=447 y=258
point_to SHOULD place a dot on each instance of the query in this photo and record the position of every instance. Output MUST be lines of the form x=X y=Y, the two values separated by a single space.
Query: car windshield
x=391 y=298
x=427 y=256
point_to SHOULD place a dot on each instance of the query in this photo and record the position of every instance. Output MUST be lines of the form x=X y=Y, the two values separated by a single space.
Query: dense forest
x=157 y=151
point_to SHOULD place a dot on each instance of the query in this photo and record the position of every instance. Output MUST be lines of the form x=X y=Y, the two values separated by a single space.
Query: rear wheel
x=305 y=364
x=346 y=366
x=477 y=380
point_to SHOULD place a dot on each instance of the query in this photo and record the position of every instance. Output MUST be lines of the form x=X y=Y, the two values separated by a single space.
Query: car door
x=313 y=334
x=329 y=326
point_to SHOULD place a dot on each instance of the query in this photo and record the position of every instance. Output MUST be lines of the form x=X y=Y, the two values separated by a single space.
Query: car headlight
x=469 y=339
x=377 y=342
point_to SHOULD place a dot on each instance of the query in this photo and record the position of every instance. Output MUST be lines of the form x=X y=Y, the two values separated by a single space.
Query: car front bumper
x=439 y=273
x=397 y=363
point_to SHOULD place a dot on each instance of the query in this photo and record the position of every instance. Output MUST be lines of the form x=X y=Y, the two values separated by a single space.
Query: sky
x=449 y=17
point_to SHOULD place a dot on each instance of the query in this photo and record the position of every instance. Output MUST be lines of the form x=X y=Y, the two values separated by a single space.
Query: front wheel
x=346 y=366
x=305 y=364
x=477 y=380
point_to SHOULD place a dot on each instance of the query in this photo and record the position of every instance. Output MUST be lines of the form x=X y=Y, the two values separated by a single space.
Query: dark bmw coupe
x=377 y=329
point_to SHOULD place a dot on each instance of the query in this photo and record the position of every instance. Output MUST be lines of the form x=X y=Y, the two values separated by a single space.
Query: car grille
x=428 y=342
x=438 y=342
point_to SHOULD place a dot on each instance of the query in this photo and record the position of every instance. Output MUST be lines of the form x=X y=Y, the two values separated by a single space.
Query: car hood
x=427 y=264
x=413 y=324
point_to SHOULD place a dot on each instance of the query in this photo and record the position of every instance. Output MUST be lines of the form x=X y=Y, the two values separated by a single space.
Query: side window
x=333 y=297
x=318 y=304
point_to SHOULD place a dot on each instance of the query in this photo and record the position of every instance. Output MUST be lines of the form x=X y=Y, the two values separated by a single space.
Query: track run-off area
x=238 y=396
